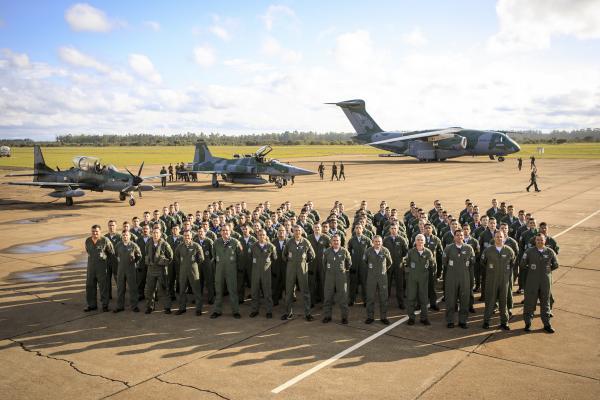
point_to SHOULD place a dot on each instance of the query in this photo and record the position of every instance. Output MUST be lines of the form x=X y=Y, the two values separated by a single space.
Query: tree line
x=286 y=138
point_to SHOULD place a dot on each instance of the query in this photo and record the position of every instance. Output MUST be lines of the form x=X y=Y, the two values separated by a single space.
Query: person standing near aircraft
x=163 y=179
x=170 y=172
x=520 y=163
x=334 y=173
x=321 y=170
x=342 y=174
x=99 y=250
x=128 y=255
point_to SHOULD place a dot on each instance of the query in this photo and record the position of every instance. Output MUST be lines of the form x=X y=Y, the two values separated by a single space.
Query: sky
x=237 y=67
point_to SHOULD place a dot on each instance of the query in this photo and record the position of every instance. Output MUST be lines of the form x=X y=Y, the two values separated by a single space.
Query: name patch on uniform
x=412 y=265
x=533 y=267
x=254 y=260
x=451 y=263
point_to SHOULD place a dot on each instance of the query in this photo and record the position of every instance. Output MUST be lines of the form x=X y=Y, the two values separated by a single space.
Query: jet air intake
x=454 y=143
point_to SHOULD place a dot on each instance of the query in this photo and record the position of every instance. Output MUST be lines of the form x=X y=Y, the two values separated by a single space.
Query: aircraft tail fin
x=202 y=153
x=363 y=124
x=39 y=165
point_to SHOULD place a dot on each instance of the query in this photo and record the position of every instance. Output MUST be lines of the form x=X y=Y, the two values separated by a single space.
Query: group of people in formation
x=267 y=255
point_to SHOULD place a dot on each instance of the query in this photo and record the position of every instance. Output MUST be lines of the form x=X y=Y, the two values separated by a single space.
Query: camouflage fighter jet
x=86 y=174
x=244 y=169
x=427 y=145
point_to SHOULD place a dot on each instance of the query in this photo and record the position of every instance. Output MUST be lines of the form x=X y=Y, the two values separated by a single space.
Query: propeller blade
x=130 y=173
x=141 y=167
x=140 y=191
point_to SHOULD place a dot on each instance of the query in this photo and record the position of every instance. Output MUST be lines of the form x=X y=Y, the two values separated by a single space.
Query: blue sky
x=243 y=67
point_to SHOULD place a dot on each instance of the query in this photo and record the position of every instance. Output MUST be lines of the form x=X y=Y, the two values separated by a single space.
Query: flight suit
x=128 y=256
x=417 y=280
x=458 y=264
x=278 y=270
x=512 y=243
x=539 y=265
x=97 y=270
x=471 y=241
x=358 y=271
x=113 y=265
x=336 y=265
x=174 y=242
x=227 y=265
x=142 y=268
x=398 y=247
x=262 y=256
x=189 y=257
x=207 y=269
x=158 y=258
x=486 y=239
x=297 y=256
x=377 y=265
x=316 y=273
x=525 y=242
x=434 y=244
x=245 y=275
x=498 y=266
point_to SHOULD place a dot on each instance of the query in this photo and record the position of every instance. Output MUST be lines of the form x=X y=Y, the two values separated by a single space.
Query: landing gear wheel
x=279 y=184
x=132 y=202
x=69 y=201
x=122 y=196
x=500 y=159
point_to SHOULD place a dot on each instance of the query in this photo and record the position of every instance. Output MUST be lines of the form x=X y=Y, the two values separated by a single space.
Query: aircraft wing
x=155 y=176
x=56 y=185
x=431 y=136
x=202 y=172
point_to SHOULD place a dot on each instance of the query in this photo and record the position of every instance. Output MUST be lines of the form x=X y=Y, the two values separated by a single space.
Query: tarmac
x=51 y=349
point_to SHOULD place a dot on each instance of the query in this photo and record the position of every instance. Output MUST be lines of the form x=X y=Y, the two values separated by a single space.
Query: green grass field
x=119 y=156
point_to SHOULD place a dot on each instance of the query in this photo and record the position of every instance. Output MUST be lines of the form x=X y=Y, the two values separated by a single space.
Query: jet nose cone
x=300 y=171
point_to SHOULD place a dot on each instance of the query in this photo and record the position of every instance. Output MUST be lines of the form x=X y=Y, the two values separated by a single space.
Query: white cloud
x=205 y=56
x=153 y=25
x=144 y=68
x=414 y=38
x=84 y=17
x=530 y=25
x=74 y=57
x=220 y=28
x=241 y=64
x=356 y=51
x=277 y=11
x=19 y=60
x=271 y=47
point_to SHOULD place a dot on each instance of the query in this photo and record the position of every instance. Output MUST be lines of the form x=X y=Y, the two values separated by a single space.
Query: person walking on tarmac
x=321 y=170
x=342 y=174
x=334 y=172
x=520 y=163
x=533 y=180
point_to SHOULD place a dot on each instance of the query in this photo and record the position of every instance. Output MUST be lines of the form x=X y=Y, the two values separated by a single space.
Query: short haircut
x=96 y=226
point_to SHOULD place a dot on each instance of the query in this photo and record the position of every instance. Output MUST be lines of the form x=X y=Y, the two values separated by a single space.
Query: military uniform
x=297 y=255
x=357 y=246
x=458 y=263
x=262 y=256
x=113 y=265
x=158 y=258
x=434 y=244
x=189 y=257
x=245 y=273
x=227 y=266
x=498 y=266
x=486 y=239
x=207 y=269
x=278 y=271
x=475 y=266
x=377 y=265
x=526 y=237
x=142 y=269
x=417 y=276
x=173 y=272
x=336 y=265
x=398 y=247
x=97 y=270
x=540 y=264
x=128 y=257
x=316 y=273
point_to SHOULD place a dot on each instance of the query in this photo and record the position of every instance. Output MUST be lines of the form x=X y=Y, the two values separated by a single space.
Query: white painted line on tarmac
x=576 y=224
x=336 y=357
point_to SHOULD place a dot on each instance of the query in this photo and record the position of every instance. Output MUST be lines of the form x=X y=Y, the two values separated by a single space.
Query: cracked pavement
x=50 y=349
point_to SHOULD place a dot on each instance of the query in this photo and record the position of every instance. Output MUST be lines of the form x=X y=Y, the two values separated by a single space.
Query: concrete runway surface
x=50 y=349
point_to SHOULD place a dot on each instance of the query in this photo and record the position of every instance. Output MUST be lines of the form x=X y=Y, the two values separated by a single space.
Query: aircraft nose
x=300 y=171
x=515 y=146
